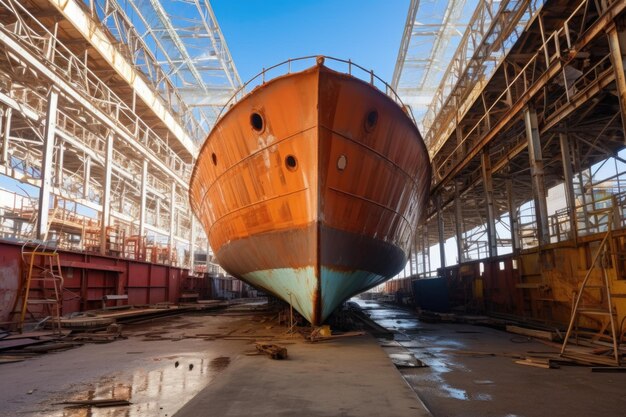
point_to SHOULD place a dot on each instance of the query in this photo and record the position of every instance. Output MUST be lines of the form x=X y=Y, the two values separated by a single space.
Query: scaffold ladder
x=43 y=286
x=603 y=309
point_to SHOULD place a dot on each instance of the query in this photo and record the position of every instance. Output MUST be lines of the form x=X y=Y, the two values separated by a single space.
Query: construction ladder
x=605 y=310
x=44 y=269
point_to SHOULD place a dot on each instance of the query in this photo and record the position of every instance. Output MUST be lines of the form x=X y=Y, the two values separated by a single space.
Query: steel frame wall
x=531 y=86
x=95 y=122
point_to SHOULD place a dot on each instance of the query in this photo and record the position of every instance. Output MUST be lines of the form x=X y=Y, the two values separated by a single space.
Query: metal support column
x=491 y=211
x=536 y=172
x=440 y=225
x=58 y=176
x=458 y=214
x=5 y=132
x=46 y=165
x=172 y=244
x=106 y=194
x=144 y=196
x=86 y=177
x=192 y=244
x=617 y=45
x=512 y=215
x=568 y=178
x=425 y=249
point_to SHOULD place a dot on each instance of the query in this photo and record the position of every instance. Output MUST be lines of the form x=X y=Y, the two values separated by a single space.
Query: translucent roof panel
x=180 y=48
x=432 y=34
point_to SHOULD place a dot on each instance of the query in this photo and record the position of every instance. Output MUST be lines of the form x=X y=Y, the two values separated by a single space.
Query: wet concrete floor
x=454 y=383
x=158 y=368
x=199 y=365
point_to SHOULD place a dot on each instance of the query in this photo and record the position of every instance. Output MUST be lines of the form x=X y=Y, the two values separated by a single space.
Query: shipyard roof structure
x=439 y=46
x=432 y=33
x=179 y=46
x=531 y=102
x=172 y=54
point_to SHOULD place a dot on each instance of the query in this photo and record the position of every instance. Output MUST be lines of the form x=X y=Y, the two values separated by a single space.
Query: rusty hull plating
x=310 y=188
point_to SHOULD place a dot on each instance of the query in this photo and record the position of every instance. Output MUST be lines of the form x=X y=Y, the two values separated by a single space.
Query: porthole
x=256 y=120
x=214 y=158
x=342 y=161
x=370 y=120
x=291 y=162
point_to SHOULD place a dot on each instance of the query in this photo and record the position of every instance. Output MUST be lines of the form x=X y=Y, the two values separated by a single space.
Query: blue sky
x=263 y=33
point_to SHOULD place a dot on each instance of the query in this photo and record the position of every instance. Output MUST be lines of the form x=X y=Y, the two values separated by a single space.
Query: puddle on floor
x=157 y=392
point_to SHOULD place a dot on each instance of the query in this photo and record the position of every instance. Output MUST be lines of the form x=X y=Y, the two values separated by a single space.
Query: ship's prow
x=310 y=188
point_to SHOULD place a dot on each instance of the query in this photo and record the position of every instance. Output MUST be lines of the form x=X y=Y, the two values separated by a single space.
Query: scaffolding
x=523 y=127
x=102 y=107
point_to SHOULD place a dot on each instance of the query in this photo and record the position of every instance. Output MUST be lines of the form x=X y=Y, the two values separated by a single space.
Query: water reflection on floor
x=156 y=392
x=424 y=344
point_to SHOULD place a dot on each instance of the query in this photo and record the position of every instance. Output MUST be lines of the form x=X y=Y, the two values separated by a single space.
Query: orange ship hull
x=310 y=188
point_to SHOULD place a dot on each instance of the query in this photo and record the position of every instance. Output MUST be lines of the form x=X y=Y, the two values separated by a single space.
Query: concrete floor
x=191 y=376
x=455 y=384
x=143 y=372
x=192 y=373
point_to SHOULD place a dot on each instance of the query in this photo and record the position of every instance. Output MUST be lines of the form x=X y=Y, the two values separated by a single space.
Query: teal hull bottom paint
x=338 y=286
x=303 y=290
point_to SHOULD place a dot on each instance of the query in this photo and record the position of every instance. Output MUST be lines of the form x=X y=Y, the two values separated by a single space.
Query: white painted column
x=46 y=165
x=106 y=194
x=172 y=243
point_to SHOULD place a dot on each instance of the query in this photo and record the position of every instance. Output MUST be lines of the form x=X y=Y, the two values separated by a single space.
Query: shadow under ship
x=311 y=187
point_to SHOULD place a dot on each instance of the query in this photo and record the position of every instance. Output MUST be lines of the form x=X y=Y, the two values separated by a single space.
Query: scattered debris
x=10 y=359
x=611 y=369
x=406 y=360
x=537 y=334
x=274 y=351
x=313 y=338
x=538 y=363
x=112 y=402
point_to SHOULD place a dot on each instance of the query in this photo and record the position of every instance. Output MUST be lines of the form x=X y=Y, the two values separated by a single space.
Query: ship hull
x=320 y=200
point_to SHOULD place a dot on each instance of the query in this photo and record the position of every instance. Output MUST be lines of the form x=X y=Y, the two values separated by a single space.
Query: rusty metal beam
x=491 y=211
x=512 y=215
x=440 y=230
x=568 y=177
x=458 y=213
x=537 y=173
x=617 y=48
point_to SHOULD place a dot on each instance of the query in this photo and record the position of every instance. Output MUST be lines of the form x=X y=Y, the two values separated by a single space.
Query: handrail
x=241 y=91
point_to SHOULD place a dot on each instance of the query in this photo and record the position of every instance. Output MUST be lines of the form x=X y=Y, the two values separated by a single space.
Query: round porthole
x=370 y=120
x=214 y=158
x=291 y=162
x=342 y=161
x=256 y=120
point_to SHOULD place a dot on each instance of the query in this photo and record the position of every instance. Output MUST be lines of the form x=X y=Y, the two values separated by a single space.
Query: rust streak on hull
x=311 y=187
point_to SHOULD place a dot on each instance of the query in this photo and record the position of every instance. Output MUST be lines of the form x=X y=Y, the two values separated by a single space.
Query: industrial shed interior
x=116 y=299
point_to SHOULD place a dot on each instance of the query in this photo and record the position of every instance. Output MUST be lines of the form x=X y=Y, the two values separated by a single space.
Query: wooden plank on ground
x=538 y=334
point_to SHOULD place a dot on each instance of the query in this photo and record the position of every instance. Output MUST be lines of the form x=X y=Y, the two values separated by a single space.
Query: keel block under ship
x=310 y=187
